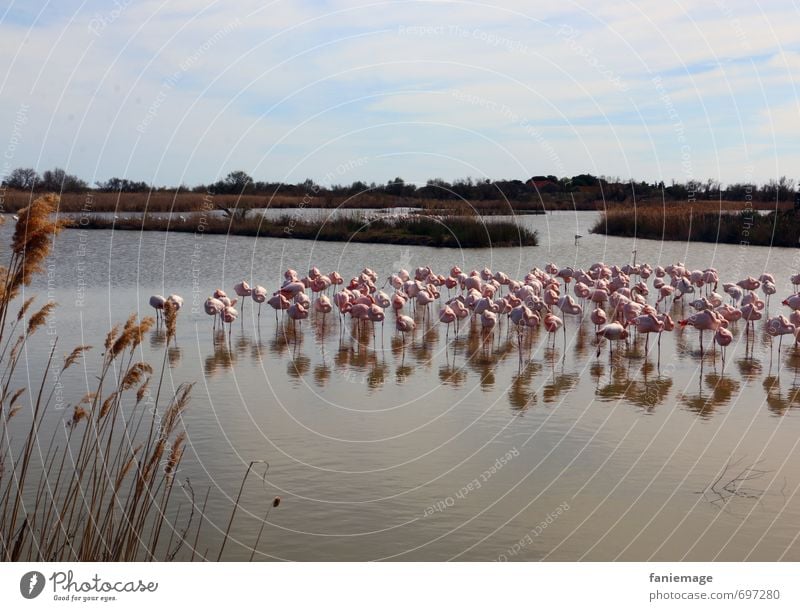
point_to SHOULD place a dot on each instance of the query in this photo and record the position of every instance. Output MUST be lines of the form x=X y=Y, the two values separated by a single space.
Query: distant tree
x=584 y=180
x=22 y=178
x=399 y=188
x=58 y=180
x=238 y=181
x=122 y=185
x=357 y=187
x=778 y=190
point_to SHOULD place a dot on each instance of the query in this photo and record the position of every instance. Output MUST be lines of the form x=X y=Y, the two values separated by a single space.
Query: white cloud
x=728 y=67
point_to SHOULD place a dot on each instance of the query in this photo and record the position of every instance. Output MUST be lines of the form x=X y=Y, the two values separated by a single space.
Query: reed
x=420 y=230
x=172 y=200
x=779 y=228
x=105 y=482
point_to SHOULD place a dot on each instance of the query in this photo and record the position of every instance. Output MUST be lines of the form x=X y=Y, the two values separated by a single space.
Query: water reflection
x=532 y=367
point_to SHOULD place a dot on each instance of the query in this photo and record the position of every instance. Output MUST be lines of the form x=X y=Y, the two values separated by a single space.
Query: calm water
x=445 y=448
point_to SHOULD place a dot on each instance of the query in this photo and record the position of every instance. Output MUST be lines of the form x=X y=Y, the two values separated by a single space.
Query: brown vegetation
x=699 y=224
x=420 y=230
x=102 y=487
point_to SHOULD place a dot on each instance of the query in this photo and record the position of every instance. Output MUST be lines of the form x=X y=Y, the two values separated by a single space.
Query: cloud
x=186 y=91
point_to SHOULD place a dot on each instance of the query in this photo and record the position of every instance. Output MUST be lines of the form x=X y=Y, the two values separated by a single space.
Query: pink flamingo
x=213 y=307
x=297 y=312
x=552 y=324
x=157 y=302
x=488 y=319
x=647 y=324
x=229 y=315
x=376 y=314
x=613 y=332
x=706 y=320
x=447 y=316
x=792 y=301
x=405 y=324
x=259 y=295
x=176 y=300
x=278 y=302
x=322 y=305
x=723 y=338
x=780 y=326
x=598 y=318
x=242 y=289
x=751 y=314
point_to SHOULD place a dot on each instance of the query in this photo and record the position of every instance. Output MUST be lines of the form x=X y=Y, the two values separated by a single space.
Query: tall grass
x=422 y=230
x=781 y=228
x=103 y=485
x=187 y=201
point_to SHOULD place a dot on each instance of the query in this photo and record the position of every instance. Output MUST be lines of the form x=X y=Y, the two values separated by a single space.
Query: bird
x=297 y=312
x=405 y=324
x=552 y=324
x=447 y=316
x=176 y=300
x=213 y=307
x=242 y=289
x=259 y=295
x=278 y=302
x=598 y=318
x=647 y=324
x=723 y=338
x=780 y=326
x=705 y=320
x=157 y=302
x=613 y=332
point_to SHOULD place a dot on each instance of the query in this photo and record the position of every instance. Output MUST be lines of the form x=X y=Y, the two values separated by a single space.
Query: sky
x=185 y=91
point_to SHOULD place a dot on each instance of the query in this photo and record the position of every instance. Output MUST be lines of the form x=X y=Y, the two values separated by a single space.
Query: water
x=445 y=449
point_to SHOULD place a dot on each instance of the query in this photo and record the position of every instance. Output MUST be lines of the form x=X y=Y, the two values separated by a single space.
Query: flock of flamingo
x=617 y=295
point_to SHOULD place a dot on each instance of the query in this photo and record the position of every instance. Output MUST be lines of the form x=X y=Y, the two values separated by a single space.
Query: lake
x=432 y=447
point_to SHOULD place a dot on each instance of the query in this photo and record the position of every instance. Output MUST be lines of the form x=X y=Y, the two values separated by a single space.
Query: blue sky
x=184 y=91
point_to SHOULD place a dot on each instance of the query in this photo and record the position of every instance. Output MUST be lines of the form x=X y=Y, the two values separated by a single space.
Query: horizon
x=369 y=91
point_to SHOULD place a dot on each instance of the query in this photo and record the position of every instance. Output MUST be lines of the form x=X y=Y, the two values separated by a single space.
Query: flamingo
x=705 y=320
x=297 y=312
x=488 y=319
x=447 y=316
x=553 y=323
x=259 y=295
x=751 y=314
x=213 y=307
x=792 y=301
x=229 y=315
x=723 y=338
x=613 y=332
x=242 y=289
x=780 y=326
x=176 y=300
x=598 y=318
x=647 y=324
x=405 y=324
x=278 y=302
x=157 y=302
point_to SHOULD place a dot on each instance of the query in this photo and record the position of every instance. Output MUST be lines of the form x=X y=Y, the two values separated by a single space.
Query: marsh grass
x=422 y=230
x=780 y=228
x=189 y=201
x=103 y=486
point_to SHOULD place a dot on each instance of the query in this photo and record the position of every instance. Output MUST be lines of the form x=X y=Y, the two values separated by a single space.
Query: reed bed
x=421 y=230
x=189 y=201
x=781 y=228
x=103 y=485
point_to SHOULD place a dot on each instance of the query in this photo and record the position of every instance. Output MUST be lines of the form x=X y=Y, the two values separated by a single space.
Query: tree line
x=583 y=186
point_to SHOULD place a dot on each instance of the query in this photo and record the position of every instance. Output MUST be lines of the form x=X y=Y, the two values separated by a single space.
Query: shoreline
x=449 y=232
